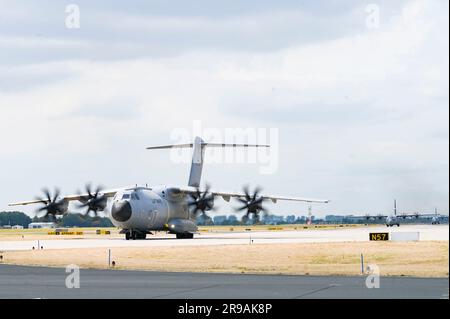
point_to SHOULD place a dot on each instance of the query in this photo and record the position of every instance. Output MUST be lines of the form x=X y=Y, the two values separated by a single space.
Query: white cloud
x=356 y=112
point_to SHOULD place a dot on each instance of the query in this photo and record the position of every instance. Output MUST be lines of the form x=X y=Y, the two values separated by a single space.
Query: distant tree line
x=14 y=218
x=73 y=220
x=231 y=220
x=68 y=220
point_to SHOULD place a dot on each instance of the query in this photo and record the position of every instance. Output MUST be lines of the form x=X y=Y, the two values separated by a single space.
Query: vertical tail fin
x=395 y=207
x=195 y=174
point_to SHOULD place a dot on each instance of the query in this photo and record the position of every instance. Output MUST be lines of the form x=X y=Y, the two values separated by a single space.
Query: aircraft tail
x=395 y=207
x=198 y=155
x=195 y=174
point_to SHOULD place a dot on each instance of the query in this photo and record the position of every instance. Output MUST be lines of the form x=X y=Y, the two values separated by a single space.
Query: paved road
x=427 y=232
x=41 y=282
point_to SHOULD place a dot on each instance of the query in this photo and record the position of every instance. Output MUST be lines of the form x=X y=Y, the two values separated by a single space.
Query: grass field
x=420 y=259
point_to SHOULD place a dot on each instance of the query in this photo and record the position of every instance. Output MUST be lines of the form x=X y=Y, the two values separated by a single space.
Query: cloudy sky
x=361 y=104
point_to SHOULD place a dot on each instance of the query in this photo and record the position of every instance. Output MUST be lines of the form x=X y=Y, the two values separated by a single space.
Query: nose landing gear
x=135 y=234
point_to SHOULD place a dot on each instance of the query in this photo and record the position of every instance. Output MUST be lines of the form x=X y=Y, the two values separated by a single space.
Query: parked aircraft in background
x=395 y=219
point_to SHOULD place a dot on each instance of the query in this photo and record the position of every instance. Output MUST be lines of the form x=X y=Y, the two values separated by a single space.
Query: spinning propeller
x=94 y=201
x=251 y=203
x=52 y=206
x=202 y=201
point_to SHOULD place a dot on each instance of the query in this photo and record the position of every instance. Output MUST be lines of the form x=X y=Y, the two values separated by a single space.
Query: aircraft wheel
x=127 y=235
x=185 y=236
x=140 y=235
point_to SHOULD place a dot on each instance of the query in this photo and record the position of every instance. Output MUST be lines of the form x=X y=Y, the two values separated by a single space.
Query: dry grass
x=421 y=259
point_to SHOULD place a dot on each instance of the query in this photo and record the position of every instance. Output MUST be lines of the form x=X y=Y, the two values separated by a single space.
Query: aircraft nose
x=121 y=211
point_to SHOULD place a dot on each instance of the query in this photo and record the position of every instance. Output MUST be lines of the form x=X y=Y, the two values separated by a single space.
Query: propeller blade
x=57 y=192
x=242 y=200
x=256 y=193
x=47 y=194
x=42 y=209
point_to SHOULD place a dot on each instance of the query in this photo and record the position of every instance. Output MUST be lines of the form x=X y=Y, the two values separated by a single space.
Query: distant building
x=17 y=227
x=41 y=225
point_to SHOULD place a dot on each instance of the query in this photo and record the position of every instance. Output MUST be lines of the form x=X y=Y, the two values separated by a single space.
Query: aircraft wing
x=28 y=202
x=416 y=215
x=227 y=195
x=107 y=193
x=366 y=216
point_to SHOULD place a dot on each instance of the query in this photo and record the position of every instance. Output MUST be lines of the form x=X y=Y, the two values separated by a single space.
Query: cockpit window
x=134 y=196
x=126 y=196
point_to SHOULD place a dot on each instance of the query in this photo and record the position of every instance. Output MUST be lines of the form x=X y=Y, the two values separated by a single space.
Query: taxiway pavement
x=359 y=234
x=40 y=282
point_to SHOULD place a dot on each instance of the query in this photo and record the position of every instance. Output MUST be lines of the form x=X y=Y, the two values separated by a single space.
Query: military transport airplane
x=140 y=210
x=395 y=219
x=436 y=218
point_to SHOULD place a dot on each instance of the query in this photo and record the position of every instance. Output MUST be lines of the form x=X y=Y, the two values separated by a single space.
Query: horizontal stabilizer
x=170 y=146
x=199 y=147
x=204 y=144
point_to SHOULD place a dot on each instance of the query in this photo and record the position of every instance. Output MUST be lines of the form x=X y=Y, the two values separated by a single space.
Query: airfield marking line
x=316 y=290
x=186 y=290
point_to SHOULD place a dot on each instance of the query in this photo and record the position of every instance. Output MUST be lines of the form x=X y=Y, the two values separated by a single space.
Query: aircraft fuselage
x=151 y=209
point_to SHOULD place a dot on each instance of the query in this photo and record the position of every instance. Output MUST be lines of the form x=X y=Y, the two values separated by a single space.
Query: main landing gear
x=185 y=236
x=135 y=234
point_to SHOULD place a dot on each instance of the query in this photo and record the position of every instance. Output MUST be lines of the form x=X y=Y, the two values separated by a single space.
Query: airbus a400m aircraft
x=140 y=210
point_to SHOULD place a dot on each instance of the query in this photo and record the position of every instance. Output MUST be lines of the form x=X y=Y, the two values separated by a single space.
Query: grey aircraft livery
x=140 y=210
x=395 y=219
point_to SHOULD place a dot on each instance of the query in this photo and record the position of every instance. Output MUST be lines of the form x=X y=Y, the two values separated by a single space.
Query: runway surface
x=427 y=232
x=40 y=282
